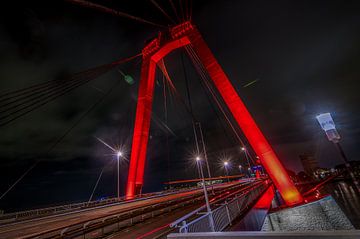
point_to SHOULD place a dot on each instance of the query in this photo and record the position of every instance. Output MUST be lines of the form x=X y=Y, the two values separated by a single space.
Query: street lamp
x=198 y=163
x=226 y=164
x=240 y=168
x=247 y=158
x=118 y=154
x=327 y=124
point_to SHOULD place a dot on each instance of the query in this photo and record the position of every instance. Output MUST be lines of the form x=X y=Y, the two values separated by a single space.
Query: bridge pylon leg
x=245 y=121
x=183 y=35
x=141 y=130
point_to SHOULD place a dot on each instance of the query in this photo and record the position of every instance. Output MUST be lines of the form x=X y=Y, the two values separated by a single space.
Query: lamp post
x=118 y=154
x=198 y=163
x=247 y=159
x=240 y=168
x=327 y=124
x=226 y=163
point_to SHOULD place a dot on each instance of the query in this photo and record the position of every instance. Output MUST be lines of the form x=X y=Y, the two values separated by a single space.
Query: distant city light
x=243 y=148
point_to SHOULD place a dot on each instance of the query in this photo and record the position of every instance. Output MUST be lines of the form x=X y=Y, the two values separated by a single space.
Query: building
x=309 y=164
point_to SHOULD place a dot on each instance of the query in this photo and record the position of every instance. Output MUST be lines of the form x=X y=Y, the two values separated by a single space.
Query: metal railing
x=224 y=215
x=99 y=227
x=54 y=210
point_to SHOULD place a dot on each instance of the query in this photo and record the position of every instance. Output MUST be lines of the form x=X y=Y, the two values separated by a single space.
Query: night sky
x=303 y=56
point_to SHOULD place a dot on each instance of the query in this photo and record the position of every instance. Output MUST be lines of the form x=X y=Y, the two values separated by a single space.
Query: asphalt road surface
x=26 y=229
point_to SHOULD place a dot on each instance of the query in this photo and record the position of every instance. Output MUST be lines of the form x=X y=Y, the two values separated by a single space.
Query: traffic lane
x=155 y=227
x=32 y=228
x=28 y=228
x=152 y=227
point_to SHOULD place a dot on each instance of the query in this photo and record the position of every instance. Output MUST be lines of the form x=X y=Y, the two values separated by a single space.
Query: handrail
x=180 y=220
x=98 y=220
x=82 y=205
x=201 y=223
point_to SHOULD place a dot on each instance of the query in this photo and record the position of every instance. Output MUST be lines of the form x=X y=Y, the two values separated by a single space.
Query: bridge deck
x=39 y=226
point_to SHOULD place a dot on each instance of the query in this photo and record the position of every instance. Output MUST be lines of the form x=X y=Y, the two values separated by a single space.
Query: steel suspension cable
x=174 y=9
x=182 y=11
x=30 y=89
x=112 y=11
x=202 y=73
x=61 y=138
x=162 y=10
x=97 y=181
x=166 y=122
x=204 y=76
x=197 y=123
x=29 y=96
x=37 y=87
x=178 y=96
x=28 y=105
x=181 y=100
x=57 y=91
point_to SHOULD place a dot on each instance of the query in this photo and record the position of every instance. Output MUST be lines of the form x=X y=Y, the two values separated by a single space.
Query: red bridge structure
x=187 y=36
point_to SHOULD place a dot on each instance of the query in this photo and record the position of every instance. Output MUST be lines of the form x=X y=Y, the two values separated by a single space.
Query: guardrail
x=41 y=212
x=99 y=227
x=226 y=213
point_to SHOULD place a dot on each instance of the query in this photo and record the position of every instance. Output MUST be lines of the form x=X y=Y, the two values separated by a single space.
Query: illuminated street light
x=240 y=168
x=226 y=164
x=118 y=154
x=198 y=163
x=247 y=158
x=327 y=124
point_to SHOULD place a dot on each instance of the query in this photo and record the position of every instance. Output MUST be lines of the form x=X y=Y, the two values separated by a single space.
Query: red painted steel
x=143 y=111
x=182 y=35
